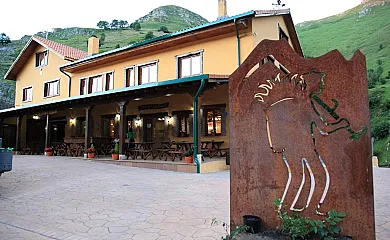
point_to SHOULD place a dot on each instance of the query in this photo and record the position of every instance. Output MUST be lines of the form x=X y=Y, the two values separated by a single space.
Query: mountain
x=172 y=17
x=365 y=27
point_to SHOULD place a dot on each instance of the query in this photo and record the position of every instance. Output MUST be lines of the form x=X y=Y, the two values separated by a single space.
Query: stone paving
x=64 y=198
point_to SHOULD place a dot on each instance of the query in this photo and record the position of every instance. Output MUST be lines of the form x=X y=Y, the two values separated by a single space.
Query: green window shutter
x=175 y=126
x=191 y=120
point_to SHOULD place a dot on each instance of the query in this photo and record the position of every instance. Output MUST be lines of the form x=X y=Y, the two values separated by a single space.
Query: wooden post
x=47 y=131
x=122 y=129
x=18 y=131
x=88 y=129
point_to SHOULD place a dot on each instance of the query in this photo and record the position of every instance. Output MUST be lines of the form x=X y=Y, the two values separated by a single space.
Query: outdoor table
x=143 y=149
x=181 y=148
x=211 y=147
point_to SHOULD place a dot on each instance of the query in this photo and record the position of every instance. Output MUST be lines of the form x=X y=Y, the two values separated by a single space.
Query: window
x=97 y=83
x=213 y=121
x=184 y=125
x=130 y=77
x=147 y=73
x=190 y=65
x=27 y=94
x=51 y=88
x=83 y=86
x=109 y=82
x=282 y=34
x=41 y=59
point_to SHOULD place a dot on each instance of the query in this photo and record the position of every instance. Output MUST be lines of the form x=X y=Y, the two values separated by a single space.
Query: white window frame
x=50 y=81
x=134 y=73
x=105 y=81
x=139 y=66
x=47 y=58
x=178 y=57
x=103 y=74
x=32 y=95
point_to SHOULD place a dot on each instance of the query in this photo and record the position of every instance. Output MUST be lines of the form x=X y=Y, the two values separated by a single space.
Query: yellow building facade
x=171 y=88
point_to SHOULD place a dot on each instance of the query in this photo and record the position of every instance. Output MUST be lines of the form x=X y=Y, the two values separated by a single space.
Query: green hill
x=174 y=18
x=365 y=27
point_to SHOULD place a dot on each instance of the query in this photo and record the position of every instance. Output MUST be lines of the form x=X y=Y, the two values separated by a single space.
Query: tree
x=102 y=39
x=123 y=23
x=114 y=24
x=164 y=29
x=4 y=39
x=118 y=46
x=103 y=24
x=149 y=35
x=136 y=26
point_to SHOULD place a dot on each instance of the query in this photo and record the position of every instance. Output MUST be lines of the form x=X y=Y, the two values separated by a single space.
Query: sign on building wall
x=300 y=133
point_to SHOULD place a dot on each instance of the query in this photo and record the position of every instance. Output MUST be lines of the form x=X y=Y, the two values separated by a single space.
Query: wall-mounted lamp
x=117 y=116
x=72 y=121
x=137 y=122
x=36 y=117
x=169 y=118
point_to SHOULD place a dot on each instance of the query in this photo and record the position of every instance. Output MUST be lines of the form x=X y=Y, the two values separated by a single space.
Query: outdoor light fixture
x=137 y=122
x=137 y=99
x=72 y=121
x=36 y=117
x=169 y=94
x=169 y=119
x=118 y=116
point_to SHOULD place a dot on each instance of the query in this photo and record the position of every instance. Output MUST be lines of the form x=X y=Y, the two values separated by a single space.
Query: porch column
x=88 y=128
x=47 y=131
x=122 y=129
x=19 y=120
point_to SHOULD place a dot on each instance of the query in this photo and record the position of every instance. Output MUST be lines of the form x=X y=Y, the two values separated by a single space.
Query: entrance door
x=148 y=128
x=154 y=129
x=58 y=131
x=9 y=136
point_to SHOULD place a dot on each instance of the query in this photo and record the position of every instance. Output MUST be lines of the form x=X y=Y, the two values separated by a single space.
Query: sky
x=27 y=17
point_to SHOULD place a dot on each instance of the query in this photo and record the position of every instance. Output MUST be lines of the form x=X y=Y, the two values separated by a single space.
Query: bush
x=149 y=35
x=380 y=128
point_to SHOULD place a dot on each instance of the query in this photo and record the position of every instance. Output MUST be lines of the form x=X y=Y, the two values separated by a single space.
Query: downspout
x=69 y=81
x=238 y=43
x=195 y=123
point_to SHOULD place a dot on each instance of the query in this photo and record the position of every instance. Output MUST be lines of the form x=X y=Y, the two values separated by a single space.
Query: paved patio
x=64 y=198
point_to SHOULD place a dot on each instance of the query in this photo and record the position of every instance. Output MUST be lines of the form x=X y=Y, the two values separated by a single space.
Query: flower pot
x=189 y=159
x=91 y=155
x=13 y=152
x=49 y=154
x=115 y=156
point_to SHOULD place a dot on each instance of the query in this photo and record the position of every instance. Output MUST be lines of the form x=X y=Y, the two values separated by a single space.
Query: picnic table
x=211 y=148
x=142 y=149
x=180 y=149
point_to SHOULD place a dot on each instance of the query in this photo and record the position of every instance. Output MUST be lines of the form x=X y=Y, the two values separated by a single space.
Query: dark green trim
x=195 y=125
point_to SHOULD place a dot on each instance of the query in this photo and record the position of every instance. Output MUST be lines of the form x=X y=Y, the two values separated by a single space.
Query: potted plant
x=49 y=151
x=189 y=156
x=115 y=152
x=91 y=151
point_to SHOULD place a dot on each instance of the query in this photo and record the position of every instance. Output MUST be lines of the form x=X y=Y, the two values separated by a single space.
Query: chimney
x=93 y=45
x=222 y=8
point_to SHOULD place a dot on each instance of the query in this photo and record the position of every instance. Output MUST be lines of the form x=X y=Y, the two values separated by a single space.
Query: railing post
x=18 y=131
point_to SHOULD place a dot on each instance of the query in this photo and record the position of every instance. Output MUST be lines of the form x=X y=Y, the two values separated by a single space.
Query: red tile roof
x=61 y=49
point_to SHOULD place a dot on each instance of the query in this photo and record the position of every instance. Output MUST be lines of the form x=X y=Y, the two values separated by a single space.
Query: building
x=165 y=88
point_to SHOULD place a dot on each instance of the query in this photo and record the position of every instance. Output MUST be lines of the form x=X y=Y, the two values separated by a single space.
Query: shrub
x=380 y=128
x=116 y=149
x=149 y=35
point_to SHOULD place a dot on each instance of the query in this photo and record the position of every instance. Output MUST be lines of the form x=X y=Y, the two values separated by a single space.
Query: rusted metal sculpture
x=289 y=115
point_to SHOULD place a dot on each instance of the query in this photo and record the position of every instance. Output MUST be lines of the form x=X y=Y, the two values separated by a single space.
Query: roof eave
x=6 y=76
x=163 y=37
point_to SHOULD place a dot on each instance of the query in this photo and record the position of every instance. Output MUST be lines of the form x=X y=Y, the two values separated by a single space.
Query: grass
x=348 y=32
